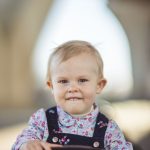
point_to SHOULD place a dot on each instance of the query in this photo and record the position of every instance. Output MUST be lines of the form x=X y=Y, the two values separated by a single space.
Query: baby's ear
x=49 y=84
x=101 y=84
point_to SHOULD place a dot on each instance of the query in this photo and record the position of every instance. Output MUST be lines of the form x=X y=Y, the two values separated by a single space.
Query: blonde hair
x=74 y=48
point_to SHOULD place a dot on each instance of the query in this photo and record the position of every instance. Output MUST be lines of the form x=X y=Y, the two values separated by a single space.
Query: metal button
x=96 y=144
x=55 y=139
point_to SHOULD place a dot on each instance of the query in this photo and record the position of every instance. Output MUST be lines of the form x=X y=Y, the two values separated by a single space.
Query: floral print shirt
x=80 y=125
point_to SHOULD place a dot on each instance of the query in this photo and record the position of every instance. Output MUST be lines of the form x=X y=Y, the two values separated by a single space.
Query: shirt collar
x=67 y=120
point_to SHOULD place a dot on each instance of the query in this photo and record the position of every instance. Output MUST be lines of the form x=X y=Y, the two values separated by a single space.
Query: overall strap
x=100 y=126
x=52 y=117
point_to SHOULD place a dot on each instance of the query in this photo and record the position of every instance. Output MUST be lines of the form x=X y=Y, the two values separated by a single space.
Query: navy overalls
x=55 y=137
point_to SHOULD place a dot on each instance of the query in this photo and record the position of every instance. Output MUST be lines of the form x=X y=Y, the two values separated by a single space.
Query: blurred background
x=120 y=30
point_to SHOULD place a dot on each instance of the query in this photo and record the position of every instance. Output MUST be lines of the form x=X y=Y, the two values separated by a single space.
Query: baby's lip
x=73 y=97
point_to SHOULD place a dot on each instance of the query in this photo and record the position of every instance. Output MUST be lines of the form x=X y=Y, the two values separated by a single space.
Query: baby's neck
x=82 y=115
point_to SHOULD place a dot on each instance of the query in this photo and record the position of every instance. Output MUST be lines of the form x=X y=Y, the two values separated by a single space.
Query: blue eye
x=83 y=80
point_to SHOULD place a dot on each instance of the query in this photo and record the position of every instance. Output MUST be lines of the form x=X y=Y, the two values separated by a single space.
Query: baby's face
x=75 y=83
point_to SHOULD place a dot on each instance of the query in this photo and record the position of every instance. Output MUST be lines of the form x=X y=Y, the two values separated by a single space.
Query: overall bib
x=56 y=137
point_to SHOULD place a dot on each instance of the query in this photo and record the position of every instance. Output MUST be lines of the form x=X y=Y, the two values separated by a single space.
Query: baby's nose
x=73 y=87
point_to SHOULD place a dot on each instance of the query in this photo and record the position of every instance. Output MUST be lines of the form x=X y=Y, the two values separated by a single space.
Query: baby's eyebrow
x=61 y=77
x=84 y=76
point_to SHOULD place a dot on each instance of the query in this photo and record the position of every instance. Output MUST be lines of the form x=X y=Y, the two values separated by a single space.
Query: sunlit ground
x=133 y=117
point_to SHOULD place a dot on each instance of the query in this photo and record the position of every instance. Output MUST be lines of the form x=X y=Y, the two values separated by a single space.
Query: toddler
x=75 y=77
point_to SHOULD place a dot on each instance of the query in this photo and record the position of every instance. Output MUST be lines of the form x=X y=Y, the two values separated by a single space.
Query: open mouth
x=73 y=98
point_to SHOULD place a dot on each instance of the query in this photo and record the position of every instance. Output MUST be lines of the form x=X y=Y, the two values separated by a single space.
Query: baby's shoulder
x=38 y=115
x=41 y=113
x=107 y=120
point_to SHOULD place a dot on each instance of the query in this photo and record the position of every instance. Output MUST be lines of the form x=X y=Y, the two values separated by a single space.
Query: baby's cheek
x=90 y=93
x=58 y=95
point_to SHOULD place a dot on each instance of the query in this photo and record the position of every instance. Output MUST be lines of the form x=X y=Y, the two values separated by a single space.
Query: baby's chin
x=75 y=110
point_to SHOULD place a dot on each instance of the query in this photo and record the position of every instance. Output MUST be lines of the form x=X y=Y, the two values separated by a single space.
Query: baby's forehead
x=82 y=63
x=81 y=54
x=74 y=58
